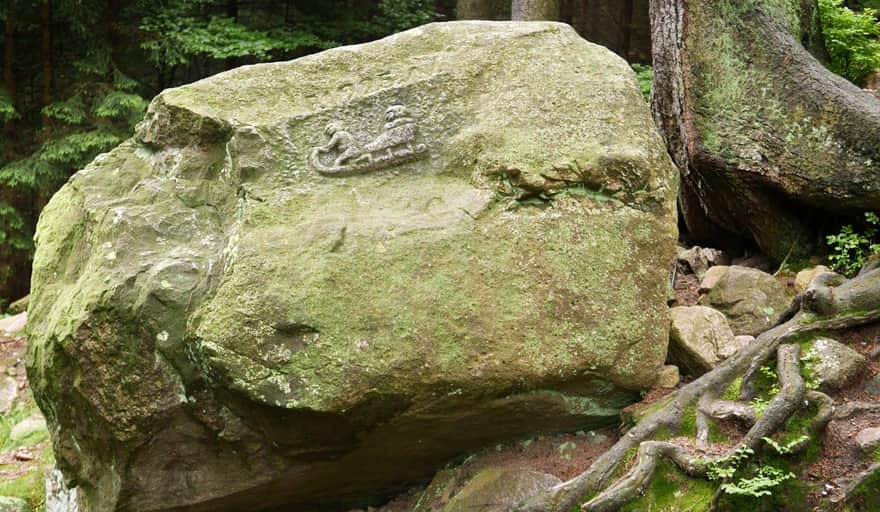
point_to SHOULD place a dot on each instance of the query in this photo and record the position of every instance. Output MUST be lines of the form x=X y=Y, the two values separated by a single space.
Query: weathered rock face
x=377 y=257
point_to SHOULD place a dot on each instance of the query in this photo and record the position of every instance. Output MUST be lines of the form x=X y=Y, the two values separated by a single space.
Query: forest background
x=79 y=74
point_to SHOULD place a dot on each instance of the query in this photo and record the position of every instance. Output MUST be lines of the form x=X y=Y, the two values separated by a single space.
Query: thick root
x=835 y=313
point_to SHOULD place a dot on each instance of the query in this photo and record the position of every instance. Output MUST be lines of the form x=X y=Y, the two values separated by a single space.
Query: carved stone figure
x=394 y=146
x=343 y=142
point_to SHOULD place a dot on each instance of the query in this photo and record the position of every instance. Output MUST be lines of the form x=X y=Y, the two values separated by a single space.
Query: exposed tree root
x=850 y=486
x=827 y=309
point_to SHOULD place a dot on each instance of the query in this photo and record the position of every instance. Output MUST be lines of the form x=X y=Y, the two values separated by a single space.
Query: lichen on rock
x=206 y=297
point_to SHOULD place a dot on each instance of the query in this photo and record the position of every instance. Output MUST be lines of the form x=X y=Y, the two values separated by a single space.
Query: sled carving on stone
x=394 y=146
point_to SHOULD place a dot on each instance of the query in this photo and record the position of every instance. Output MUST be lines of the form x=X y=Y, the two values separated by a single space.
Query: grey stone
x=872 y=386
x=8 y=393
x=13 y=325
x=27 y=427
x=834 y=365
x=868 y=439
x=10 y=504
x=701 y=259
x=699 y=338
x=669 y=377
x=499 y=490
x=751 y=300
x=19 y=306
x=805 y=277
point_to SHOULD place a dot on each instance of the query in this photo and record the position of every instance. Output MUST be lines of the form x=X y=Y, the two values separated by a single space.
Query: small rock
x=26 y=427
x=700 y=259
x=712 y=277
x=868 y=439
x=8 y=394
x=804 y=277
x=669 y=377
x=743 y=340
x=23 y=455
x=872 y=386
x=499 y=490
x=834 y=364
x=751 y=300
x=12 y=325
x=757 y=261
x=19 y=306
x=10 y=504
x=699 y=338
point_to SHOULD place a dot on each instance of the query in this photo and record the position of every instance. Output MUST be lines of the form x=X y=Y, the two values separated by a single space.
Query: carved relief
x=394 y=146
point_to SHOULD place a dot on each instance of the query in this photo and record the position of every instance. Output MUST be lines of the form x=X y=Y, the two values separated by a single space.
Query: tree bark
x=473 y=10
x=9 y=54
x=46 y=51
x=535 y=10
x=764 y=135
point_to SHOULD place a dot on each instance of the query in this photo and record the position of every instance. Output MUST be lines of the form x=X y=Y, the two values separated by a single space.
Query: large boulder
x=304 y=284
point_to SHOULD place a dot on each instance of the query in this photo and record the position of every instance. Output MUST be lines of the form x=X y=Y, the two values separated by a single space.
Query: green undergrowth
x=673 y=491
x=29 y=484
x=8 y=422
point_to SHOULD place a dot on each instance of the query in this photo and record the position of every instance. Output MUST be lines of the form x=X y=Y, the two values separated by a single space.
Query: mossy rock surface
x=205 y=298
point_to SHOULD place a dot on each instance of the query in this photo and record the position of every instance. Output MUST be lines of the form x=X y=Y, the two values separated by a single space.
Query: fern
x=766 y=478
x=7 y=109
x=122 y=106
x=71 y=111
x=77 y=149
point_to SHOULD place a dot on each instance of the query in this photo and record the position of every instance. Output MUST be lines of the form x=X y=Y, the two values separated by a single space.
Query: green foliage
x=850 y=249
x=174 y=39
x=71 y=111
x=725 y=467
x=852 y=39
x=756 y=480
x=673 y=491
x=14 y=230
x=808 y=369
x=122 y=106
x=645 y=76
x=785 y=449
x=765 y=479
x=398 y=15
x=7 y=109
x=77 y=149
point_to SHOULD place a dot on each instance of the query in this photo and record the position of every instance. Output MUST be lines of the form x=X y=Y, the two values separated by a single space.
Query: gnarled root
x=834 y=314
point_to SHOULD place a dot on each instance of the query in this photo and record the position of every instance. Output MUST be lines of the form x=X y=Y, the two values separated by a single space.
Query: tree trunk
x=534 y=10
x=46 y=50
x=473 y=10
x=9 y=54
x=765 y=136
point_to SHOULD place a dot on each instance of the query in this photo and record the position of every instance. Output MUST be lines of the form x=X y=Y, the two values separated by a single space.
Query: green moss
x=30 y=486
x=688 y=425
x=7 y=422
x=732 y=391
x=673 y=491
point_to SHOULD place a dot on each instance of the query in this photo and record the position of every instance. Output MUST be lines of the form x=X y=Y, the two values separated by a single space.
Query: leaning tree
x=766 y=137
